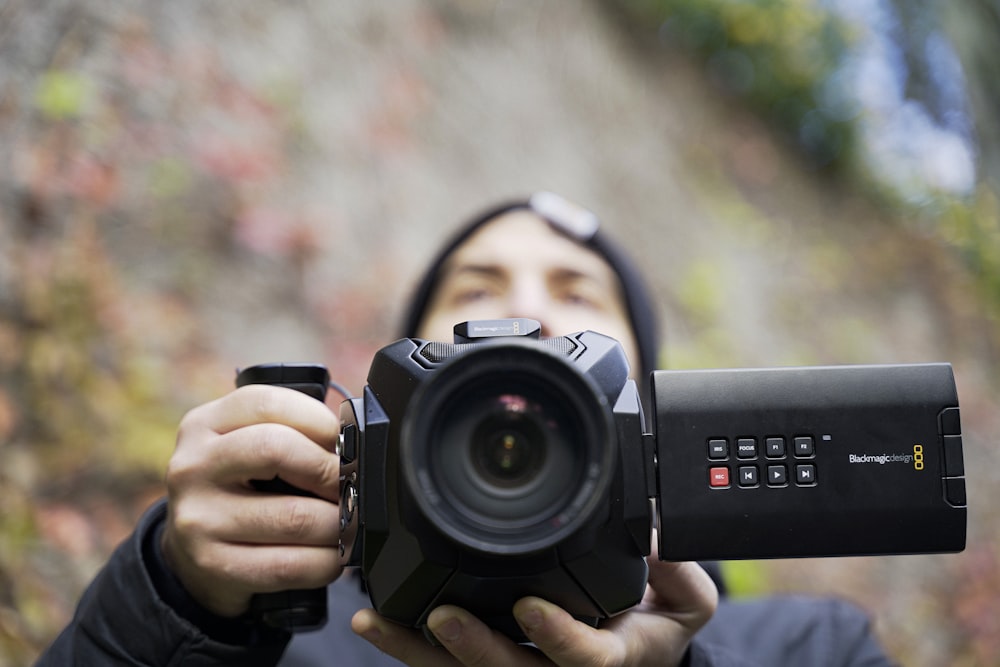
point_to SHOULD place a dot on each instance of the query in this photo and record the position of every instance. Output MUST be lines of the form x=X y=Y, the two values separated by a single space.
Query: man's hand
x=679 y=600
x=224 y=539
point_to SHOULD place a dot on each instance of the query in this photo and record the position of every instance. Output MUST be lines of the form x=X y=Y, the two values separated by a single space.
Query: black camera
x=503 y=465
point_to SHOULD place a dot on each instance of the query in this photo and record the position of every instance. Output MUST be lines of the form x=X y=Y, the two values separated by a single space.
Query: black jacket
x=125 y=618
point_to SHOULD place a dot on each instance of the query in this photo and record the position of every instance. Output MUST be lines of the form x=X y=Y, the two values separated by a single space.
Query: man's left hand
x=680 y=598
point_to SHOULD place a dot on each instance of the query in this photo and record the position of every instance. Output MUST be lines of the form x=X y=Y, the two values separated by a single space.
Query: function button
x=746 y=448
x=804 y=447
x=718 y=449
x=748 y=476
x=718 y=476
x=954 y=492
x=347 y=447
x=949 y=422
x=805 y=474
x=774 y=447
x=777 y=475
x=954 y=462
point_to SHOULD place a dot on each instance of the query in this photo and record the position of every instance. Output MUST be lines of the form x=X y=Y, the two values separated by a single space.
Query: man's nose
x=531 y=302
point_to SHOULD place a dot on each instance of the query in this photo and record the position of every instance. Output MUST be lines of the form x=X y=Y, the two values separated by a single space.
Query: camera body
x=503 y=465
x=480 y=472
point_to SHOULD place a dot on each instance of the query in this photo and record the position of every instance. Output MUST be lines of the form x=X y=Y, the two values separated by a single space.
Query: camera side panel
x=805 y=462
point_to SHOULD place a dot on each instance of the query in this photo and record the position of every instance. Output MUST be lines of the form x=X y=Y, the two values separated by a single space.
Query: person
x=177 y=591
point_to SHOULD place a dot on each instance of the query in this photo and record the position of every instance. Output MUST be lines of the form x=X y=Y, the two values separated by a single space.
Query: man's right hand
x=224 y=539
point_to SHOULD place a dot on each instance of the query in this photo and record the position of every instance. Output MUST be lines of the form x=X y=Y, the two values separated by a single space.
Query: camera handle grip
x=295 y=610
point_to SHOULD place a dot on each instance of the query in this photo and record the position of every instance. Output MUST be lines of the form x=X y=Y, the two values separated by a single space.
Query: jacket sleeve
x=788 y=630
x=122 y=619
x=705 y=654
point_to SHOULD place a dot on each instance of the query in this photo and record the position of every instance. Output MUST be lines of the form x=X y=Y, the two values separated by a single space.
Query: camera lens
x=504 y=452
x=508 y=449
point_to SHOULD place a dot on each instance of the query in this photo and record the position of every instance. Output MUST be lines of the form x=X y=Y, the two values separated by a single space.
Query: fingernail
x=530 y=620
x=367 y=627
x=449 y=631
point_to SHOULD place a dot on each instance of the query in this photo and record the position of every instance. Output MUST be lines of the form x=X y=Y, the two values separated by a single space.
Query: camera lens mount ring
x=508 y=448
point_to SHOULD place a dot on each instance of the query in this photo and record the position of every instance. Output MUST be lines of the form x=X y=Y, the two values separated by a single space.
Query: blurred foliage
x=72 y=370
x=973 y=228
x=804 y=66
x=772 y=54
x=101 y=347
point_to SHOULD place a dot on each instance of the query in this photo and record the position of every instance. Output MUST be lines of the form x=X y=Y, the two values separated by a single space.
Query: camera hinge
x=649 y=463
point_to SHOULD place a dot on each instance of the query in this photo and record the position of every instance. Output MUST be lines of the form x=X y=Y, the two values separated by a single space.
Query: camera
x=503 y=464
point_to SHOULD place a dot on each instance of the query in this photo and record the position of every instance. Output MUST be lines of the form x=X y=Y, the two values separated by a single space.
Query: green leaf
x=61 y=95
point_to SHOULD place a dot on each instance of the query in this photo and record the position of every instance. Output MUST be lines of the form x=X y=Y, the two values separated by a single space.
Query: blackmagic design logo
x=916 y=458
x=881 y=459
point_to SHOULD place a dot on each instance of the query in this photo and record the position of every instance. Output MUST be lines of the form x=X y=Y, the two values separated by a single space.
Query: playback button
x=805 y=475
x=749 y=476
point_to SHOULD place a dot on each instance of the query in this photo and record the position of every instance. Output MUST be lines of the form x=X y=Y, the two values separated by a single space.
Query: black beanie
x=580 y=225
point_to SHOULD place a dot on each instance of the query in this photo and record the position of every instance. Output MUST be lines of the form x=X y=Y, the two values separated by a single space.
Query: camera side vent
x=562 y=344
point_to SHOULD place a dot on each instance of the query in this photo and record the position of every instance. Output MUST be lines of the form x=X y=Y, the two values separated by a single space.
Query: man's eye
x=579 y=299
x=472 y=295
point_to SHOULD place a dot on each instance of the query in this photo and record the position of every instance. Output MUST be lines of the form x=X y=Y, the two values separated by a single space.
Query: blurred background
x=191 y=187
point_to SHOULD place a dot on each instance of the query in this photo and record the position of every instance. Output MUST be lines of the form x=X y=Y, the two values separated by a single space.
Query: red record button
x=718 y=476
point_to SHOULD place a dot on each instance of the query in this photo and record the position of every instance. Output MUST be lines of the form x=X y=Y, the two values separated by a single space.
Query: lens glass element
x=504 y=453
x=508 y=447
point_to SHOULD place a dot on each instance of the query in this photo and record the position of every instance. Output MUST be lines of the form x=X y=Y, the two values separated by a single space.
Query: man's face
x=518 y=266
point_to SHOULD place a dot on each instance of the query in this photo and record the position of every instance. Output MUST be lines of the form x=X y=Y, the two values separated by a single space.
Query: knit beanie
x=583 y=227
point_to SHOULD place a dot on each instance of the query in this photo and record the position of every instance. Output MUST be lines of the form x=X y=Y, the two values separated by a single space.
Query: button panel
x=773 y=461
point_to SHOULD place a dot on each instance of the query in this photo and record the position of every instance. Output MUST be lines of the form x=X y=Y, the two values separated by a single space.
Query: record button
x=718 y=477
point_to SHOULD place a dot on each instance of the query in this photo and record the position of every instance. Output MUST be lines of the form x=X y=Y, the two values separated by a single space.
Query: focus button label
x=746 y=448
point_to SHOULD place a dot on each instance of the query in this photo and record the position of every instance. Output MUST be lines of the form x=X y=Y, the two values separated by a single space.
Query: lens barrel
x=510 y=450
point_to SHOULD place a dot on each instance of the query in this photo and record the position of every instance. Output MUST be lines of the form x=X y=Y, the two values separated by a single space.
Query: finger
x=684 y=591
x=223 y=576
x=679 y=600
x=265 y=451
x=263 y=404
x=406 y=645
x=262 y=452
x=267 y=569
x=563 y=639
x=472 y=642
x=253 y=518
